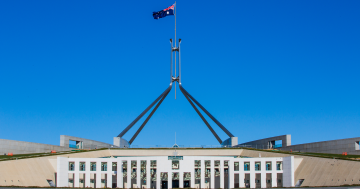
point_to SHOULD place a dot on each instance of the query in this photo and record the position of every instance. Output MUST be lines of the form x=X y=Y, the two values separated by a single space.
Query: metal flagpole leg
x=144 y=112
x=175 y=47
x=212 y=117
x=171 y=59
x=179 y=63
x=148 y=118
x=202 y=117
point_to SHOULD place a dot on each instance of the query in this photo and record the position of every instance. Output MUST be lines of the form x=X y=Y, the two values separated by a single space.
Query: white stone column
x=274 y=179
x=212 y=174
x=231 y=173
x=109 y=174
x=169 y=180
x=241 y=174
x=181 y=179
x=192 y=180
x=87 y=174
x=148 y=178
x=119 y=173
x=138 y=171
x=221 y=173
x=98 y=174
x=288 y=171
x=273 y=174
x=263 y=174
x=62 y=176
x=76 y=175
x=252 y=174
x=202 y=173
x=158 y=179
x=129 y=171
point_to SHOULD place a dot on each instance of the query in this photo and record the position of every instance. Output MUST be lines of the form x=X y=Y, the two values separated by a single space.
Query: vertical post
x=252 y=174
x=202 y=174
x=158 y=179
x=231 y=174
x=138 y=172
x=181 y=179
x=192 y=175
x=129 y=171
x=221 y=173
x=241 y=174
x=263 y=173
x=179 y=63
x=212 y=174
x=148 y=176
x=119 y=174
x=171 y=59
x=109 y=174
x=76 y=175
x=87 y=174
x=98 y=174
x=175 y=45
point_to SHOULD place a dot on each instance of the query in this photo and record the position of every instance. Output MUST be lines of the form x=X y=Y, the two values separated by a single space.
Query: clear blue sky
x=262 y=68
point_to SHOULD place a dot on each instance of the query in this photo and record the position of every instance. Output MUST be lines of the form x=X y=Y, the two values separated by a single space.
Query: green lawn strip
x=36 y=155
x=321 y=155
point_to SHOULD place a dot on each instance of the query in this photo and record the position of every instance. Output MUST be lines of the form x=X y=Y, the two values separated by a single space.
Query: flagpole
x=175 y=47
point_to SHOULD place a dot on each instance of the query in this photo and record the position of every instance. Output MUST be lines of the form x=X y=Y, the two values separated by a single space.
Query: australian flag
x=166 y=12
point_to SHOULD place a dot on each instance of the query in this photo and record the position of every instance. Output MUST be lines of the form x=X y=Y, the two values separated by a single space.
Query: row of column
x=120 y=177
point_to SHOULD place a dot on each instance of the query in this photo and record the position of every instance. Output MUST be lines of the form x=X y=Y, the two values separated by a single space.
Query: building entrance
x=175 y=184
x=187 y=184
x=164 y=184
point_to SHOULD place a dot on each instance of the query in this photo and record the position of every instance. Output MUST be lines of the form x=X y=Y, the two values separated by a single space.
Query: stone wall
x=268 y=143
x=21 y=147
x=87 y=143
x=348 y=145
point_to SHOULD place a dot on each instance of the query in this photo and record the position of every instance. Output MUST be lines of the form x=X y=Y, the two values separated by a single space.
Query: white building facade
x=175 y=172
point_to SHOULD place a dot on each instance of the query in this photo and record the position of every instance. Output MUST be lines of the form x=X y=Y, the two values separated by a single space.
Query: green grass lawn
x=35 y=155
x=321 y=155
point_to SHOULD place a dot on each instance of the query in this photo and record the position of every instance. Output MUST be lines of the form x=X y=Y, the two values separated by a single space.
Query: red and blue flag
x=163 y=13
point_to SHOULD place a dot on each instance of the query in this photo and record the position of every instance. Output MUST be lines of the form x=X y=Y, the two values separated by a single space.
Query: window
x=175 y=164
x=143 y=169
x=71 y=166
x=268 y=165
x=92 y=166
x=152 y=163
x=164 y=176
x=153 y=170
x=268 y=181
x=103 y=166
x=124 y=164
x=114 y=166
x=257 y=166
x=198 y=163
x=226 y=164
x=82 y=166
x=257 y=181
x=216 y=163
x=207 y=169
x=175 y=176
x=246 y=166
x=236 y=166
x=92 y=180
x=279 y=165
x=278 y=144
